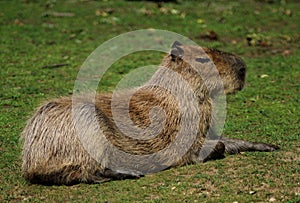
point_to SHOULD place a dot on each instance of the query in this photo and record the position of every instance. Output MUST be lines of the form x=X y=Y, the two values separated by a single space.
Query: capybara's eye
x=202 y=60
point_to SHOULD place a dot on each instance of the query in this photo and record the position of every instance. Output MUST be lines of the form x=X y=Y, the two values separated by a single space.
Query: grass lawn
x=37 y=34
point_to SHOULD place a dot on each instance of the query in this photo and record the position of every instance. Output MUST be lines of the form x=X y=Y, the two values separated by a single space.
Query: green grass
x=266 y=110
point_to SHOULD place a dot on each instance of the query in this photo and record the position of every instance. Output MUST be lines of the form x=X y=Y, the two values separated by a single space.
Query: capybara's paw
x=130 y=174
x=265 y=147
x=122 y=174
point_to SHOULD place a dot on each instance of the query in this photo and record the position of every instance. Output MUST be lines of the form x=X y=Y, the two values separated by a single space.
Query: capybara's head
x=230 y=68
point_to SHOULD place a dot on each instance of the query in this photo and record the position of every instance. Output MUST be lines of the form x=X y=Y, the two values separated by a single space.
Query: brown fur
x=52 y=153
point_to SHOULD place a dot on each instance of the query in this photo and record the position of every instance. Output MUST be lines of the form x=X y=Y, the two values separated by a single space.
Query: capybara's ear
x=176 y=51
x=176 y=44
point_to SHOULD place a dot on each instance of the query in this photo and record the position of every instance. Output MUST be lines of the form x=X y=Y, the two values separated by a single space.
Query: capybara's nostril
x=242 y=71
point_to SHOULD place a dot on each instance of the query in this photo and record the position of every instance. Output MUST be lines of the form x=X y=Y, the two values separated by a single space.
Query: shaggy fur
x=53 y=154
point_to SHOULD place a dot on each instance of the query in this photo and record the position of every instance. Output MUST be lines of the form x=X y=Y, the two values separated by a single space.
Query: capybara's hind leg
x=121 y=174
x=211 y=149
x=64 y=175
x=234 y=146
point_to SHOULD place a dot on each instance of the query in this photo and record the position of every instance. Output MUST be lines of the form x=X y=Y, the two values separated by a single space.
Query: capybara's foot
x=122 y=174
x=234 y=146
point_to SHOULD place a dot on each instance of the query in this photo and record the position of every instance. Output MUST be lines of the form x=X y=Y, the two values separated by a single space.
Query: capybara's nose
x=242 y=71
x=240 y=67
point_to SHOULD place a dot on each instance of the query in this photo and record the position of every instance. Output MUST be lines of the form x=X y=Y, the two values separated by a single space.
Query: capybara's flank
x=53 y=153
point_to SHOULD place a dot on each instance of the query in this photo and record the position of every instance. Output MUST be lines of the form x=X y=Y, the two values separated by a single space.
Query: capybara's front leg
x=211 y=149
x=234 y=146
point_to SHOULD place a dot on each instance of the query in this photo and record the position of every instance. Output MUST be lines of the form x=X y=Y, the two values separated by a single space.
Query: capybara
x=55 y=151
